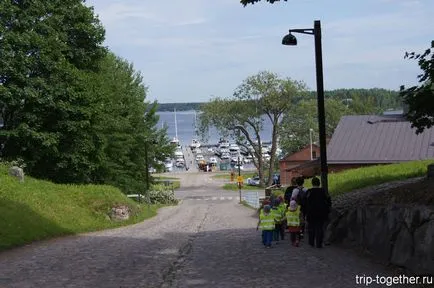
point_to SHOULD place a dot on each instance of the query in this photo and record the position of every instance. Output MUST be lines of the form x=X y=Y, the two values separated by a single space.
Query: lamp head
x=289 y=40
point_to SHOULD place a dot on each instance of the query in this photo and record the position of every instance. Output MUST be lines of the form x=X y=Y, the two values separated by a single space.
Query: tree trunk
x=273 y=151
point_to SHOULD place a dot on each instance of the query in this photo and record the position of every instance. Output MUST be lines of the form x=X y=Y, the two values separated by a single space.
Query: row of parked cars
x=254 y=181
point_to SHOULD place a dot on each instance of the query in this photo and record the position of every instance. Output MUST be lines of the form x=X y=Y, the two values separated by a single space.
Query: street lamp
x=291 y=40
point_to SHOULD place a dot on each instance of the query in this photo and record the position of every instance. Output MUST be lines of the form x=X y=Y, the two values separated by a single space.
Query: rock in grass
x=17 y=172
x=120 y=213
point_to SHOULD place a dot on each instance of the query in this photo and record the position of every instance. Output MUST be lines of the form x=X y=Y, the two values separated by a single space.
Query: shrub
x=161 y=194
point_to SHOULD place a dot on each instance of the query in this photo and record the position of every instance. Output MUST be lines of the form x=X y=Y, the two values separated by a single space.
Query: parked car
x=240 y=166
x=152 y=170
x=225 y=156
x=253 y=181
x=199 y=157
x=179 y=164
x=168 y=166
x=213 y=160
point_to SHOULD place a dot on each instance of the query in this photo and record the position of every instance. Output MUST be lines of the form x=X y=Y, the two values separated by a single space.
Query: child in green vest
x=260 y=212
x=293 y=222
x=282 y=208
x=277 y=214
x=266 y=224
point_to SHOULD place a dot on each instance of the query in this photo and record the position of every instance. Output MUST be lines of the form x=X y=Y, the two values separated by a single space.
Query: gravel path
x=196 y=244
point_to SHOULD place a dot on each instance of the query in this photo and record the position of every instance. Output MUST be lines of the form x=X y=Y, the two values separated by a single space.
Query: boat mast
x=176 y=126
x=195 y=122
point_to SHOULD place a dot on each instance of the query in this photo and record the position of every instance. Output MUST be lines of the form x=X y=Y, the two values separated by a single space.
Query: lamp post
x=310 y=138
x=291 y=40
x=239 y=175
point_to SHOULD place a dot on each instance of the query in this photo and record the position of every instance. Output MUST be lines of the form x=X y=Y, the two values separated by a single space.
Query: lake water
x=186 y=127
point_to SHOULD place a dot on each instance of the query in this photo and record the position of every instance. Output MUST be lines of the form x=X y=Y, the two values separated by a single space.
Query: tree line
x=72 y=110
x=369 y=101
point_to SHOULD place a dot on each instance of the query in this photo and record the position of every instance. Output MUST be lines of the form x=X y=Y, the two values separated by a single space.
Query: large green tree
x=420 y=98
x=126 y=126
x=302 y=117
x=46 y=49
x=261 y=97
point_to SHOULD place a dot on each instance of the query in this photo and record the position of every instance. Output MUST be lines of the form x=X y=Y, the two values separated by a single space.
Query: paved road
x=210 y=242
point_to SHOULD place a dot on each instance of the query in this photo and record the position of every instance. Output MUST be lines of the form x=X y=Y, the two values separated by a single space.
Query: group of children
x=275 y=217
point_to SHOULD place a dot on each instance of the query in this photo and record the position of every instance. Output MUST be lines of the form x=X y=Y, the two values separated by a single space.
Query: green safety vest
x=266 y=222
x=282 y=208
x=293 y=217
x=277 y=213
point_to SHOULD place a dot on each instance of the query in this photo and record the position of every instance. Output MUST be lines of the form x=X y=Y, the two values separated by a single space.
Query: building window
x=314 y=154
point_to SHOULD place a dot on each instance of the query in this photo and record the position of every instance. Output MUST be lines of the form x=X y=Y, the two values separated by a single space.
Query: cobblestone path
x=196 y=244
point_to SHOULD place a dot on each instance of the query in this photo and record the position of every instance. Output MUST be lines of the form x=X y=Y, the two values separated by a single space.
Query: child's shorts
x=294 y=229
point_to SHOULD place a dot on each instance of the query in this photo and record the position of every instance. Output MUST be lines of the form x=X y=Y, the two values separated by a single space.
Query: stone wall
x=398 y=234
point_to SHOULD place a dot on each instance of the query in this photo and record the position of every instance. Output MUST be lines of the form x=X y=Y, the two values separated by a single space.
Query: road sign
x=240 y=179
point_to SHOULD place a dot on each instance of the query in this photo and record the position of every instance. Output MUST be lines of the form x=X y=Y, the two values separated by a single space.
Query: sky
x=194 y=50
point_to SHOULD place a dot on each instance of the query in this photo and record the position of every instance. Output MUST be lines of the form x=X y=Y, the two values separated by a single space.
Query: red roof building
x=293 y=165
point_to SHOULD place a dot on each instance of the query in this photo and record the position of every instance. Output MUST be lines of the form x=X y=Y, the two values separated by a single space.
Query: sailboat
x=195 y=142
x=179 y=156
x=175 y=139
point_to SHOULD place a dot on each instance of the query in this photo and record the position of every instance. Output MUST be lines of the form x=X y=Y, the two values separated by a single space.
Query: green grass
x=349 y=180
x=353 y=179
x=227 y=175
x=37 y=210
x=234 y=187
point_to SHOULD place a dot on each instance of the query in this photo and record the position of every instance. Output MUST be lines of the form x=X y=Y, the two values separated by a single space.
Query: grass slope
x=349 y=180
x=36 y=209
x=353 y=179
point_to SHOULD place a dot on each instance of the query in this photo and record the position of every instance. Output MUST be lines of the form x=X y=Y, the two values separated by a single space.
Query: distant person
x=275 y=179
x=318 y=205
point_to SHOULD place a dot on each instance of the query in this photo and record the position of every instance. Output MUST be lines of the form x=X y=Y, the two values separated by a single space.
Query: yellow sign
x=240 y=179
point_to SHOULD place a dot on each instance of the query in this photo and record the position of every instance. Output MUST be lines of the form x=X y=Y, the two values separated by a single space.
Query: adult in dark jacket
x=288 y=191
x=317 y=208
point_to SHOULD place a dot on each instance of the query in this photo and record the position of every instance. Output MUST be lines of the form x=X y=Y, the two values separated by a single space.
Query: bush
x=161 y=194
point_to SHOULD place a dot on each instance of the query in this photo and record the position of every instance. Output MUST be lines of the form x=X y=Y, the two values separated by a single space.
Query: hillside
x=36 y=209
